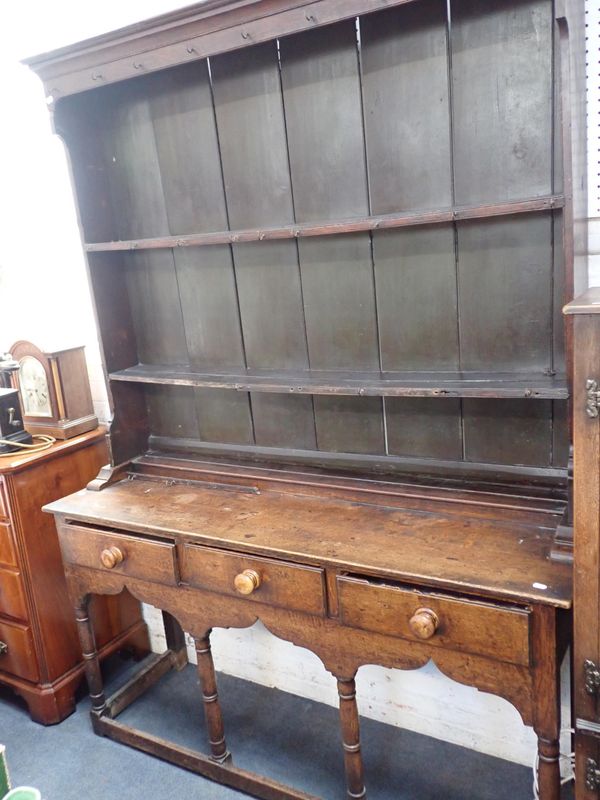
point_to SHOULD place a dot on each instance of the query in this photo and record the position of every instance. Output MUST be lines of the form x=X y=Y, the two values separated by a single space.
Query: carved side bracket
x=107 y=476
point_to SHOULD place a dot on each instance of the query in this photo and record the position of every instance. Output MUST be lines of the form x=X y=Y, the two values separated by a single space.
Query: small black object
x=11 y=421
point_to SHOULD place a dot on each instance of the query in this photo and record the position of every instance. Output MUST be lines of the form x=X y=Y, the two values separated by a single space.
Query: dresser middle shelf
x=379 y=384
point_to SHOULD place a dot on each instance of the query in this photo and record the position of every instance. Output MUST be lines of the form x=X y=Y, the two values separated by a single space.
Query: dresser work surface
x=470 y=550
x=354 y=578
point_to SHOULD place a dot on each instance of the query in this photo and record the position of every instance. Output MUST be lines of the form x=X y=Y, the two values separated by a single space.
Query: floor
x=289 y=738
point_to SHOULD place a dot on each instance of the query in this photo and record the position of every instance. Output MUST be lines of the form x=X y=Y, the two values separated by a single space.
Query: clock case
x=72 y=409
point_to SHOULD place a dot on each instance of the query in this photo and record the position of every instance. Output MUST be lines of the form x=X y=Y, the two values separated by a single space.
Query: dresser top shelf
x=472 y=549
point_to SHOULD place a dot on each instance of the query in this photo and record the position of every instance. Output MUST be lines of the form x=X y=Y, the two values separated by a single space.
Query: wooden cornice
x=204 y=29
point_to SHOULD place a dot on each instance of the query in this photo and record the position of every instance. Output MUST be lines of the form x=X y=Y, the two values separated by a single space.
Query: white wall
x=593 y=99
x=44 y=298
x=43 y=288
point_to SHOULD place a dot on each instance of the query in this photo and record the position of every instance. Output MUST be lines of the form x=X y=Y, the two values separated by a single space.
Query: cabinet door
x=586 y=447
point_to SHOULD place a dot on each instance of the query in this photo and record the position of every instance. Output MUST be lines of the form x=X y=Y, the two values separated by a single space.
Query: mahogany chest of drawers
x=40 y=655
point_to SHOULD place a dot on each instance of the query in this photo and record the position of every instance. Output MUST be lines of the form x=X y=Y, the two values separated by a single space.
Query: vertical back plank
x=503 y=149
x=156 y=307
x=502 y=93
x=136 y=186
x=560 y=434
x=323 y=112
x=407 y=118
x=251 y=131
x=505 y=276
x=508 y=431
x=186 y=141
x=425 y=427
x=415 y=272
x=135 y=179
x=172 y=411
x=132 y=161
x=406 y=98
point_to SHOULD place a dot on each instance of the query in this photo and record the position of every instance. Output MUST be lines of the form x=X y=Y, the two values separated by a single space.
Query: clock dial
x=35 y=393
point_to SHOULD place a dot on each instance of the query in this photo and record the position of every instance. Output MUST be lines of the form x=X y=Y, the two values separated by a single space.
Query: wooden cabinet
x=329 y=245
x=584 y=312
x=40 y=655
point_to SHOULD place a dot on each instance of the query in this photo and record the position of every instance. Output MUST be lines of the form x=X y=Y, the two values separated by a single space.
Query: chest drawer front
x=8 y=553
x=12 y=595
x=474 y=627
x=18 y=652
x=146 y=559
x=280 y=583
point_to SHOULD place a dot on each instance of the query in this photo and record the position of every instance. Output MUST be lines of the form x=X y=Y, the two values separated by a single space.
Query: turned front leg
x=91 y=661
x=210 y=696
x=546 y=700
x=548 y=768
x=351 y=739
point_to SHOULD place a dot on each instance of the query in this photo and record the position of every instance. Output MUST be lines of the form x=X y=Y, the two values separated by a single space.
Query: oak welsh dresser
x=329 y=245
x=40 y=656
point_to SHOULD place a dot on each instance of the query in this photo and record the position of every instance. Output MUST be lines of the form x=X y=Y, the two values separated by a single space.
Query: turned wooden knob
x=424 y=623
x=111 y=557
x=247 y=581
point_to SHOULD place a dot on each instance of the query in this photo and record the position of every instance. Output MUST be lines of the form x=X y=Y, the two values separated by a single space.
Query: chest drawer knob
x=111 y=557
x=424 y=623
x=3 y=648
x=247 y=581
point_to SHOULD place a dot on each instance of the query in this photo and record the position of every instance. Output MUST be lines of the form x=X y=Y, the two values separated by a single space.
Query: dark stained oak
x=329 y=243
x=586 y=440
x=351 y=739
x=210 y=697
x=308 y=229
x=489 y=630
x=368 y=384
x=511 y=560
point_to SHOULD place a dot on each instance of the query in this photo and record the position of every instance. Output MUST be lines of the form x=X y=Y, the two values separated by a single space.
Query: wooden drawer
x=147 y=559
x=8 y=553
x=12 y=595
x=19 y=658
x=501 y=632
x=281 y=583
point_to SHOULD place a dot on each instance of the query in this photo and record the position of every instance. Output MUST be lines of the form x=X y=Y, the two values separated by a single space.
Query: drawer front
x=18 y=652
x=147 y=559
x=12 y=595
x=474 y=627
x=292 y=586
x=8 y=553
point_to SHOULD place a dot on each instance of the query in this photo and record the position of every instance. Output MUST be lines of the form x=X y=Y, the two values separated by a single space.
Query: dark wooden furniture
x=40 y=655
x=329 y=243
x=585 y=311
